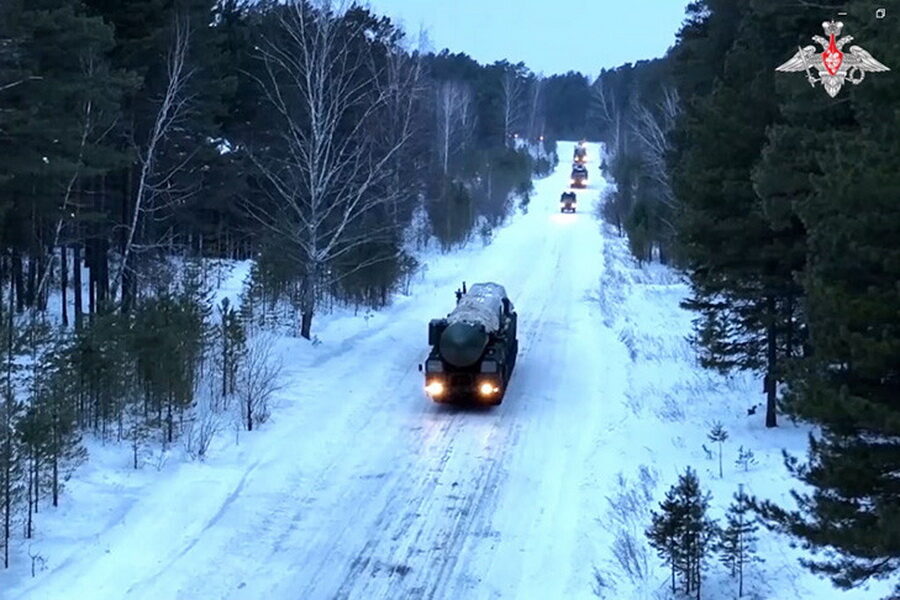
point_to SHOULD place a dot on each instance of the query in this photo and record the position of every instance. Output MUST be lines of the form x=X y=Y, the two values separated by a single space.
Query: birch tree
x=404 y=92
x=513 y=88
x=326 y=170
x=455 y=119
x=156 y=185
x=653 y=129
x=535 y=104
x=605 y=109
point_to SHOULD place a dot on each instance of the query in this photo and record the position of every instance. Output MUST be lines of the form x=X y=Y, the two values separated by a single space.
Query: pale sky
x=549 y=36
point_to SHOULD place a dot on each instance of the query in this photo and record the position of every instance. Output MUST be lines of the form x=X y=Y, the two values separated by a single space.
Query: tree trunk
x=64 y=283
x=169 y=422
x=8 y=434
x=306 y=323
x=31 y=282
x=37 y=488
x=18 y=279
x=130 y=191
x=90 y=258
x=134 y=447
x=673 y=574
x=103 y=274
x=31 y=486
x=225 y=368
x=55 y=460
x=789 y=341
x=772 y=359
x=77 y=285
x=41 y=292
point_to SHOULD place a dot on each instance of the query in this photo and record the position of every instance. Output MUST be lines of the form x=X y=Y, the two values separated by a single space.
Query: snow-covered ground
x=359 y=487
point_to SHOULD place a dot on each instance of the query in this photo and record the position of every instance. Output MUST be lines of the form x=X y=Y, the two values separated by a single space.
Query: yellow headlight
x=435 y=388
x=486 y=389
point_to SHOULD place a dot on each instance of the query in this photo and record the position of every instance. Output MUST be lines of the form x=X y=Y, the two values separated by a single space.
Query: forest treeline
x=141 y=140
x=782 y=205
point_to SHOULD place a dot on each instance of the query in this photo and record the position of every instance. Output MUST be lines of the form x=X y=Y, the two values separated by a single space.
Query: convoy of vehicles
x=473 y=350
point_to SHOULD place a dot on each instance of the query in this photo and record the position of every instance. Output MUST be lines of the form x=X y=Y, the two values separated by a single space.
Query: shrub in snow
x=486 y=233
x=205 y=423
x=258 y=379
x=745 y=459
x=628 y=510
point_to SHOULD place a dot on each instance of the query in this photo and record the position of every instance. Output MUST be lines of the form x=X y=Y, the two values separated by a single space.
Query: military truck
x=580 y=156
x=567 y=202
x=579 y=176
x=473 y=350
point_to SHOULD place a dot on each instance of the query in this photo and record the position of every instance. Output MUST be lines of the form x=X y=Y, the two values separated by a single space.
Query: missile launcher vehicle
x=473 y=350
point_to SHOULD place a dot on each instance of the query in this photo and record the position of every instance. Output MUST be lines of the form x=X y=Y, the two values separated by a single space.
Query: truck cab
x=579 y=176
x=580 y=155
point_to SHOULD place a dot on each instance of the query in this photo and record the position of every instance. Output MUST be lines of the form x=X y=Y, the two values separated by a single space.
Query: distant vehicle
x=473 y=351
x=567 y=202
x=579 y=176
x=580 y=156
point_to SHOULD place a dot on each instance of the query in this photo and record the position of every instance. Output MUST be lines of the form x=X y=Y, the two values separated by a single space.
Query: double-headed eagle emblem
x=833 y=65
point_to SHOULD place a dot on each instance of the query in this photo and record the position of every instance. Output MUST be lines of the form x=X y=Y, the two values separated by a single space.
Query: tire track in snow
x=474 y=511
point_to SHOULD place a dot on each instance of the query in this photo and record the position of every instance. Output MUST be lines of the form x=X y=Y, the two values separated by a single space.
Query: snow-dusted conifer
x=718 y=434
x=737 y=542
x=682 y=533
x=745 y=459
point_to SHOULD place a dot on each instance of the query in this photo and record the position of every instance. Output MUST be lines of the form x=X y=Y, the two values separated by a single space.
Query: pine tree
x=849 y=383
x=737 y=541
x=233 y=340
x=682 y=533
x=745 y=459
x=33 y=428
x=10 y=413
x=663 y=533
x=63 y=448
x=743 y=245
x=718 y=435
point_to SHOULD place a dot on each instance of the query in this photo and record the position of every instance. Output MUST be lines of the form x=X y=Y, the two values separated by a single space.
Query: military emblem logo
x=833 y=66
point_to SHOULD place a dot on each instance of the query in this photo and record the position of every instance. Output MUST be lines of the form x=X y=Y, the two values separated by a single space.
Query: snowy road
x=361 y=488
x=380 y=494
x=364 y=489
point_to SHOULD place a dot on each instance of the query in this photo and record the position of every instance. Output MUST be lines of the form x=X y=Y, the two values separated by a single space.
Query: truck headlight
x=489 y=366
x=435 y=388
x=434 y=366
x=488 y=389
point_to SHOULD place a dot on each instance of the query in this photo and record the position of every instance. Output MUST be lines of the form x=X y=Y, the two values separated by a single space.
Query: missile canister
x=462 y=344
x=470 y=324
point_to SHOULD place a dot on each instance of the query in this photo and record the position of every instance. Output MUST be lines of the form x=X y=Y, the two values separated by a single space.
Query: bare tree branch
x=8 y=86
x=335 y=158
x=171 y=109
